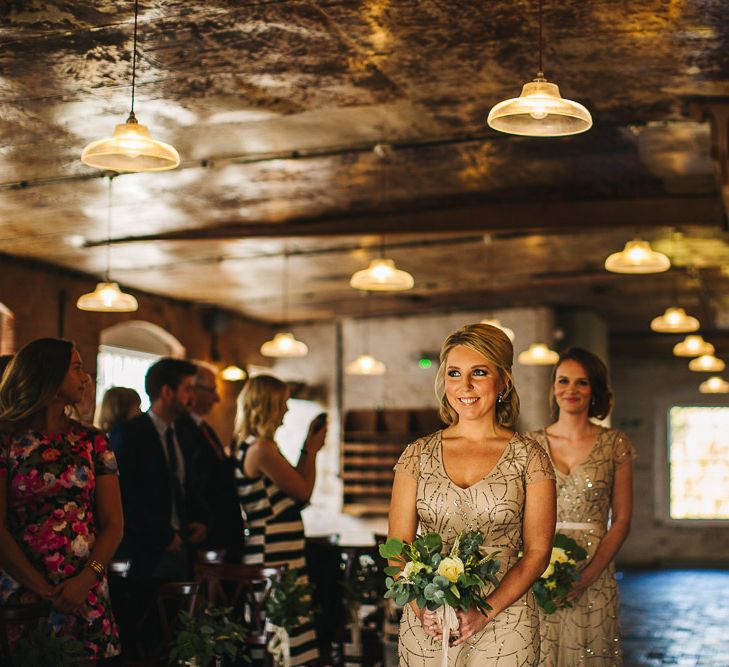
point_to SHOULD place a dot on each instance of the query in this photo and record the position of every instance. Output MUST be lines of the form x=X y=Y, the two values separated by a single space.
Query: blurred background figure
x=272 y=492
x=215 y=470
x=118 y=405
x=5 y=360
x=60 y=509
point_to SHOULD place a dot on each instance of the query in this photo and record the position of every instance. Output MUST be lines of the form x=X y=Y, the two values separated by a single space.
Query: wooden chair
x=22 y=618
x=240 y=587
x=156 y=627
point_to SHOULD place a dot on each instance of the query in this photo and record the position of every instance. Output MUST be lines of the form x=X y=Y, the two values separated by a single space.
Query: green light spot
x=425 y=363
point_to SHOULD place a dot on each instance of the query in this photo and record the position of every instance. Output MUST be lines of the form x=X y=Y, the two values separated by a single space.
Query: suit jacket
x=215 y=473
x=146 y=493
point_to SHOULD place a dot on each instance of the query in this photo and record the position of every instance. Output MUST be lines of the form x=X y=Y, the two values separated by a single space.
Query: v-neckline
x=486 y=476
x=579 y=464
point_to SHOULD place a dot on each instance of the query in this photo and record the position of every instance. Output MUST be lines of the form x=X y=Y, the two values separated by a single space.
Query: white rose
x=548 y=572
x=450 y=568
x=559 y=555
x=407 y=571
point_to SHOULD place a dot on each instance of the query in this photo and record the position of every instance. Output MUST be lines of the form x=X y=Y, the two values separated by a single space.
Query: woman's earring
x=499 y=397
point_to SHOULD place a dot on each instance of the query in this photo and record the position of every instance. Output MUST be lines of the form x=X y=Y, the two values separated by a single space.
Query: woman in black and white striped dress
x=272 y=492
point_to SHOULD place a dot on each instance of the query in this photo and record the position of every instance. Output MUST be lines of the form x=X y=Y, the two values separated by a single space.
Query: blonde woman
x=272 y=492
x=594 y=485
x=118 y=405
x=478 y=474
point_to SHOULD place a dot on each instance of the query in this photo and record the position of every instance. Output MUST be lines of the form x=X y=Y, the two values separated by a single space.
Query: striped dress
x=276 y=537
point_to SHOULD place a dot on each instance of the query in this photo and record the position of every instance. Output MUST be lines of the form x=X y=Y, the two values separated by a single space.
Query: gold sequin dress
x=495 y=506
x=588 y=633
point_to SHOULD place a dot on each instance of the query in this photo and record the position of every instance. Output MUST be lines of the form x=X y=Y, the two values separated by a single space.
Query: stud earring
x=499 y=397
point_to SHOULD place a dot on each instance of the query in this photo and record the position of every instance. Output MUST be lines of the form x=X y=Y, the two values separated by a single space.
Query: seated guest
x=273 y=492
x=163 y=512
x=60 y=512
x=118 y=405
x=214 y=468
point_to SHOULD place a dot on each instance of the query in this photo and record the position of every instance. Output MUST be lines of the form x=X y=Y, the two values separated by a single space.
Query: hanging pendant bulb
x=675 y=320
x=637 y=257
x=382 y=276
x=497 y=323
x=707 y=363
x=365 y=364
x=233 y=373
x=107 y=297
x=284 y=345
x=538 y=354
x=131 y=148
x=540 y=111
x=692 y=346
x=714 y=385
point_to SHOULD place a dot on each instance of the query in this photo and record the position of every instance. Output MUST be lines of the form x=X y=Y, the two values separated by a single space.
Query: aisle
x=675 y=617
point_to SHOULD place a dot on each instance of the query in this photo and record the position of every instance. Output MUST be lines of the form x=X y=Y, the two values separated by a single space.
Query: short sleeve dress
x=51 y=482
x=588 y=632
x=495 y=506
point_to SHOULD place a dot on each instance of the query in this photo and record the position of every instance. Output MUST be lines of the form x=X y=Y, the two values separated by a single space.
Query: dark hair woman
x=60 y=510
x=594 y=484
x=118 y=405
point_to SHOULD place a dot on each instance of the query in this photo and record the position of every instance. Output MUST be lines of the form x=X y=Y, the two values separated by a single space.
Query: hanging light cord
x=134 y=60
x=541 y=67
x=108 y=235
x=285 y=299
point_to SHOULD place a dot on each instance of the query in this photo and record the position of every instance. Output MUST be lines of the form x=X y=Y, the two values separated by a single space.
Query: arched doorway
x=126 y=351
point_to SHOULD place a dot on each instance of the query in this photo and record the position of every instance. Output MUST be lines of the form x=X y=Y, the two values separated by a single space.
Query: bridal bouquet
x=552 y=587
x=437 y=581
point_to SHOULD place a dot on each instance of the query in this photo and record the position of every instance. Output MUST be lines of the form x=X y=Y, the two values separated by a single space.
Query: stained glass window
x=698 y=461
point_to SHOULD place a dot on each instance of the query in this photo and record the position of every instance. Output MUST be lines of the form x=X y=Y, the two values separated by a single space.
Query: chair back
x=241 y=587
x=16 y=620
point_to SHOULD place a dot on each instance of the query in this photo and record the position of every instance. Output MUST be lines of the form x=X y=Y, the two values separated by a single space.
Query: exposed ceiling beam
x=526 y=217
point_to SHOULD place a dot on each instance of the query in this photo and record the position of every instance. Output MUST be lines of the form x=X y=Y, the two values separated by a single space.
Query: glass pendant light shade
x=284 y=345
x=107 y=298
x=637 y=257
x=498 y=325
x=538 y=354
x=674 y=320
x=365 y=364
x=714 y=385
x=540 y=111
x=130 y=149
x=233 y=373
x=382 y=276
x=707 y=363
x=692 y=346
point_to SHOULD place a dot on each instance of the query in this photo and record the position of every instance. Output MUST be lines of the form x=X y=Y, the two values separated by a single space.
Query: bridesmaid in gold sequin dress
x=594 y=486
x=477 y=474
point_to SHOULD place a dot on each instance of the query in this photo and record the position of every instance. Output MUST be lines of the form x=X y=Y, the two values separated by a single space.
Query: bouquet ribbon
x=278 y=646
x=355 y=630
x=446 y=615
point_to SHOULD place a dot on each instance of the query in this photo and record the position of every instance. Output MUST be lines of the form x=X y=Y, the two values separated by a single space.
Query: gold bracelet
x=97 y=567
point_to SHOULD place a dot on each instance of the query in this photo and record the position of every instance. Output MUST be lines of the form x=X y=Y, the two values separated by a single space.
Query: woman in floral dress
x=594 y=506
x=478 y=474
x=60 y=509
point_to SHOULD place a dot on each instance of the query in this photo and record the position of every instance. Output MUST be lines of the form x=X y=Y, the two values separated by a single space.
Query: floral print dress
x=51 y=482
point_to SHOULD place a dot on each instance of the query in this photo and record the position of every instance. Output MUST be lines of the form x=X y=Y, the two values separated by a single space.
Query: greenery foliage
x=288 y=600
x=556 y=582
x=457 y=579
x=43 y=647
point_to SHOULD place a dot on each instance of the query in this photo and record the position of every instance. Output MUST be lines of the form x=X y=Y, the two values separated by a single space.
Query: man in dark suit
x=164 y=514
x=214 y=468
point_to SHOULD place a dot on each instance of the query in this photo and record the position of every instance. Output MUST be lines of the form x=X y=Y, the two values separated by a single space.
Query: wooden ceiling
x=276 y=107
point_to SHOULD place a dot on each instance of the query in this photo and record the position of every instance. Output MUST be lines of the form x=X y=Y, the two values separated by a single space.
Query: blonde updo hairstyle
x=260 y=406
x=494 y=345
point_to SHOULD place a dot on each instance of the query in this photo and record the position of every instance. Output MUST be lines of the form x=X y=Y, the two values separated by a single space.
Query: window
x=121 y=367
x=698 y=462
x=7 y=330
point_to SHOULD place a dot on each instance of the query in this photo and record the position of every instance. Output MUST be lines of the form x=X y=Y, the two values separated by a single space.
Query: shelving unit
x=373 y=442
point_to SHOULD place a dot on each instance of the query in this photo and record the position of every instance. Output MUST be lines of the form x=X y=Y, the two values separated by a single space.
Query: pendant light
x=674 y=320
x=131 y=148
x=714 y=385
x=284 y=344
x=365 y=364
x=497 y=323
x=692 y=346
x=233 y=373
x=707 y=363
x=637 y=257
x=540 y=111
x=538 y=354
x=107 y=297
x=382 y=276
